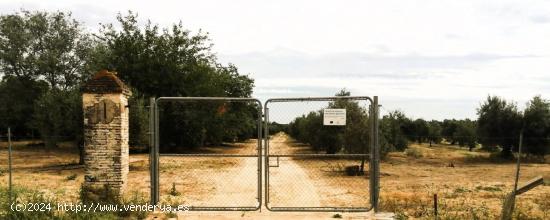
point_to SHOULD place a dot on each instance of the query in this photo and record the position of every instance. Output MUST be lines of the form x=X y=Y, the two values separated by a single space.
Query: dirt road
x=290 y=185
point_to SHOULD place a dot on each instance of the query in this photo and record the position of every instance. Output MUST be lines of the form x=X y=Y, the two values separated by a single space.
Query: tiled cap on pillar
x=106 y=134
x=105 y=82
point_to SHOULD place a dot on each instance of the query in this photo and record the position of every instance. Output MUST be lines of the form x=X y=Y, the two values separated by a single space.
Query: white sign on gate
x=334 y=116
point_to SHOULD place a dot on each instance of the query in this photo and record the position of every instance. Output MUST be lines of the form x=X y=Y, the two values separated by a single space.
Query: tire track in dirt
x=290 y=185
x=238 y=186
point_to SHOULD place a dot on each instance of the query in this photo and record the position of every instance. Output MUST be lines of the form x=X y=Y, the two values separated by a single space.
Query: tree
x=434 y=132
x=392 y=131
x=465 y=133
x=173 y=62
x=46 y=54
x=498 y=124
x=49 y=46
x=15 y=111
x=448 y=129
x=351 y=138
x=421 y=130
x=537 y=127
x=355 y=135
x=59 y=117
x=138 y=121
x=36 y=48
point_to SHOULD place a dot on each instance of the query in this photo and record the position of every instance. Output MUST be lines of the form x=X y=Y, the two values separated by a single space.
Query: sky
x=433 y=59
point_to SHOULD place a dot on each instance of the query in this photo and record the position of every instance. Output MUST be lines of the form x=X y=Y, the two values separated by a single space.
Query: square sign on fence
x=334 y=116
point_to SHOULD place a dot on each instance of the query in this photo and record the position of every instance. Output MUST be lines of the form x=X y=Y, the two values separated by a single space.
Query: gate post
x=374 y=166
x=153 y=153
x=106 y=134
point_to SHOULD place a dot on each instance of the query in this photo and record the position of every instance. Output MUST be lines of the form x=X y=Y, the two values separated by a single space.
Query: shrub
x=173 y=191
x=413 y=152
x=71 y=177
x=59 y=114
x=21 y=195
x=138 y=122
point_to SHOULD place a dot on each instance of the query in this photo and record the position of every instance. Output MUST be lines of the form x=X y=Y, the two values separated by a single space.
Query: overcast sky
x=432 y=59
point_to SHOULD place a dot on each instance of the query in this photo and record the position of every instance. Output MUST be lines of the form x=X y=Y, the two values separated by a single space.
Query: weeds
x=71 y=177
x=413 y=152
x=489 y=188
x=173 y=191
x=171 y=215
x=461 y=190
x=25 y=196
x=459 y=204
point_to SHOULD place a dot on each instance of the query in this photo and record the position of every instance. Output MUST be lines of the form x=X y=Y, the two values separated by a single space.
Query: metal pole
x=9 y=164
x=372 y=163
x=151 y=149
x=259 y=130
x=362 y=169
x=156 y=154
x=266 y=153
x=376 y=156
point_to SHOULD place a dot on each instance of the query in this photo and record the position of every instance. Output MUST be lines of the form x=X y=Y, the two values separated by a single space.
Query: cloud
x=432 y=59
x=432 y=87
x=541 y=19
x=288 y=63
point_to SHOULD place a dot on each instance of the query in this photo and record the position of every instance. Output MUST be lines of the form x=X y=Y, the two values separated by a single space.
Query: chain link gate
x=295 y=160
x=324 y=171
x=221 y=178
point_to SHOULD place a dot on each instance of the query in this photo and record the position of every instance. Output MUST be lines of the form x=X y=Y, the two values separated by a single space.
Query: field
x=468 y=184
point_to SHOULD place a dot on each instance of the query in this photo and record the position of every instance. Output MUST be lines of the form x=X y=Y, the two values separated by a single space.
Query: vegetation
x=499 y=125
x=45 y=58
x=394 y=127
x=537 y=127
x=23 y=195
x=42 y=58
x=352 y=138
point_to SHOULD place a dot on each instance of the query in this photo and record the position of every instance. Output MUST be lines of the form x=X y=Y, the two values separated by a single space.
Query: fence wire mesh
x=37 y=168
x=317 y=167
x=209 y=153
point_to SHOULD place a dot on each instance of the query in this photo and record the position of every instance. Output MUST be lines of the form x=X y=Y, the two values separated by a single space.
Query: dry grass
x=466 y=188
x=469 y=185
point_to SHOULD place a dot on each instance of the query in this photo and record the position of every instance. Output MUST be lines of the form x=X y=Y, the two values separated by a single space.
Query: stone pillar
x=106 y=134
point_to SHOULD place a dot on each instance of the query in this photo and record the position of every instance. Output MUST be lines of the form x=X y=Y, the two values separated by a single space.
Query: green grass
x=461 y=190
x=25 y=196
x=489 y=188
x=71 y=177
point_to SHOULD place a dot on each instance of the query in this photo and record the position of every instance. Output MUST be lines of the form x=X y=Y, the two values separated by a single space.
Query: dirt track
x=290 y=183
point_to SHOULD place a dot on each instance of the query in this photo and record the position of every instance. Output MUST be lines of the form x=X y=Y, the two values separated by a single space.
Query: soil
x=473 y=184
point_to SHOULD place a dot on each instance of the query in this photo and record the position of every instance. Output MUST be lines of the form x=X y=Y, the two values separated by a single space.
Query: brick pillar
x=105 y=103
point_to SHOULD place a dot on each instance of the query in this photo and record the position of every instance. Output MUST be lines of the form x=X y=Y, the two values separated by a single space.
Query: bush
x=174 y=191
x=138 y=122
x=413 y=152
x=71 y=177
x=351 y=138
x=59 y=114
x=20 y=195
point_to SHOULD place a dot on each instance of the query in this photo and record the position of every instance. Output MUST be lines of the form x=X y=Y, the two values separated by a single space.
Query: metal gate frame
x=374 y=155
x=154 y=151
